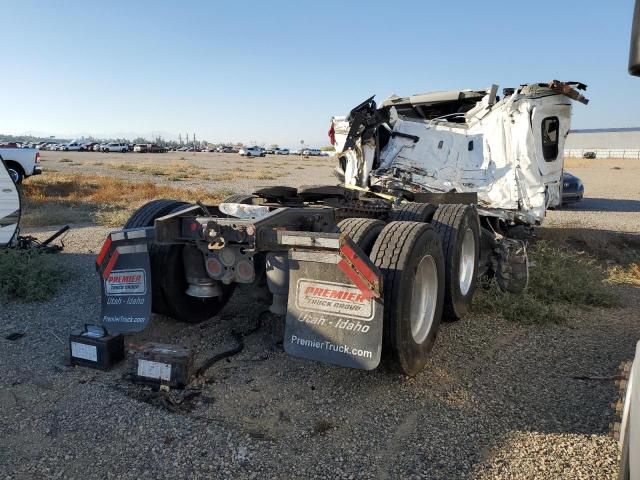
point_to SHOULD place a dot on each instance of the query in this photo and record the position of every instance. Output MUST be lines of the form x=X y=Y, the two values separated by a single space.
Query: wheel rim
x=14 y=175
x=424 y=298
x=467 y=261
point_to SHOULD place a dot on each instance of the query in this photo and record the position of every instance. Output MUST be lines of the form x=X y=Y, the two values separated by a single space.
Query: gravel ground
x=496 y=400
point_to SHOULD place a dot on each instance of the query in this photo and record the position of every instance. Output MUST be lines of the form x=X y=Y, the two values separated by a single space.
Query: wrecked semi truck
x=437 y=189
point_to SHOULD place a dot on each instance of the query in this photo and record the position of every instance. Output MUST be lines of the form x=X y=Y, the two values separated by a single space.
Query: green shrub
x=560 y=279
x=29 y=275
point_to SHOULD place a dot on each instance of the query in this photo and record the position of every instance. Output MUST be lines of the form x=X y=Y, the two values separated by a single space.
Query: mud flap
x=125 y=278
x=334 y=314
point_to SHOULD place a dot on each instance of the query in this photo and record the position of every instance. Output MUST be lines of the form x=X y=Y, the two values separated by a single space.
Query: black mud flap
x=125 y=278
x=334 y=314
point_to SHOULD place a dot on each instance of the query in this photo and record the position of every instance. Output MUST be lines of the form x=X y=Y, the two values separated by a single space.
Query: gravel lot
x=497 y=399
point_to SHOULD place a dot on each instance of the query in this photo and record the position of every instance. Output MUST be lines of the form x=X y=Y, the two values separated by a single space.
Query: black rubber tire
x=413 y=212
x=398 y=251
x=450 y=220
x=146 y=214
x=240 y=198
x=145 y=217
x=363 y=231
x=15 y=172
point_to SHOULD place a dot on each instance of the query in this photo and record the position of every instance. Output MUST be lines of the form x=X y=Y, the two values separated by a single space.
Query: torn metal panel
x=507 y=150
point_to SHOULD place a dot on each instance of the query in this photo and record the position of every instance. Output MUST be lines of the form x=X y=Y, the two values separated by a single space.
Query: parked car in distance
x=140 y=148
x=252 y=152
x=312 y=152
x=590 y=155
x=154 y=148
x=71 y=146
x=269 y=151
x=21 y=162
x=572 y=188
x=281 y=151
x=116 y=147
x=88 y=147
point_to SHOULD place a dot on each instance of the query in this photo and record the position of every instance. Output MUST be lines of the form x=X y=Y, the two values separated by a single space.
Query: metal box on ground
x=160 y=364
x=94 y=347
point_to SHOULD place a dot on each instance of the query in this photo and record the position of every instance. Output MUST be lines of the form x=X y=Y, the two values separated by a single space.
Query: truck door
x=9 y=207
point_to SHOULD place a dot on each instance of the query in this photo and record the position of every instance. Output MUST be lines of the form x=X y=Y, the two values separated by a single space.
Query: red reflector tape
x=103 y=251
x=355 y=278
x=111 y=264
x=357 y=262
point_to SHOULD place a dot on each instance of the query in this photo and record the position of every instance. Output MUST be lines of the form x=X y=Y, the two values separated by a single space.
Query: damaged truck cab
x=509 y=150
x=437 y=190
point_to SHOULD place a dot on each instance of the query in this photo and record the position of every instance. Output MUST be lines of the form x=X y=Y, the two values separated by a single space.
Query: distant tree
x=140 y=140
x=328 y=148
x=273 y=146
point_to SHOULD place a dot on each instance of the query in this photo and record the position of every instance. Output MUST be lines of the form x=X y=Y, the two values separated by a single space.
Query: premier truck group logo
x=126 y=282
x=333 y=298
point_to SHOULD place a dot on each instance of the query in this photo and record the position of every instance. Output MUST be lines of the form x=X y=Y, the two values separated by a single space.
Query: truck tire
x=363 y=231
x=409 y=254
x=459 y=228
x=240 y=198
x=145 y=217
x=413 y=212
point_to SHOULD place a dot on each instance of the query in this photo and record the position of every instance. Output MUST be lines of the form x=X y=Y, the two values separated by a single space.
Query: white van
x=9 y=207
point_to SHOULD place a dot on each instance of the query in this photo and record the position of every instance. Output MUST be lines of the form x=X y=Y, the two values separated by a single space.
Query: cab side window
x=550 y=131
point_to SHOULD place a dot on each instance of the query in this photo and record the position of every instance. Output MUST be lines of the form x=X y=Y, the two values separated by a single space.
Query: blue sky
x=276 y=71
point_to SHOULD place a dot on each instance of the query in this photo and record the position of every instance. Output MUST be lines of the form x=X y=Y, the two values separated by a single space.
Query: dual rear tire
x=459 y=229
x=409 y=255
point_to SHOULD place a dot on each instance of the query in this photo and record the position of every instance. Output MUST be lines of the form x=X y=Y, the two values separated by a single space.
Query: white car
x=252 y=152
x=116 y=147
x=281 y=151
x=71 y=147
x=312 y=152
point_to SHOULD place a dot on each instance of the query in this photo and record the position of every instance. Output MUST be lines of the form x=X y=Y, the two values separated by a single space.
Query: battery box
x=160 y=364
x=94 y=347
